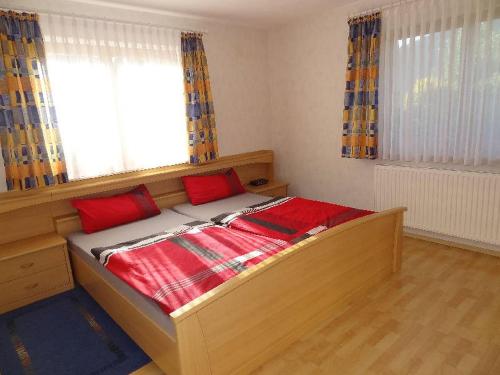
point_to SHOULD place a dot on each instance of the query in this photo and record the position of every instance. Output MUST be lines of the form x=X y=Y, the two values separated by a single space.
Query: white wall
x=307 y=62
x=237 y=58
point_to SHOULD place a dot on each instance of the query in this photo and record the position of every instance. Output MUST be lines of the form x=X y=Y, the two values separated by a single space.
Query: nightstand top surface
x=30 y=245
x=270 y=185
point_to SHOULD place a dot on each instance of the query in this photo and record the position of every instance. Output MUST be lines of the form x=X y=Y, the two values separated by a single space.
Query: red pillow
x=203 y=189
x=101 y=213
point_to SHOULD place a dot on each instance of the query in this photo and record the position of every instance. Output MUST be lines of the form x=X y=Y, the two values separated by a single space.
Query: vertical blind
x=119 y=95
x=3 y=183
x=440 y=82
x=29 y=136
x=360 y=127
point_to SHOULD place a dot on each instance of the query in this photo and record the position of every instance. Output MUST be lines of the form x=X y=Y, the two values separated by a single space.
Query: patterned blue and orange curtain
x=29 y=137
x=199 y=102
x=360 y=128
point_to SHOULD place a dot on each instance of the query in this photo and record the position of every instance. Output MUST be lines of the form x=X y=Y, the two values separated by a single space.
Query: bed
x=235 y=328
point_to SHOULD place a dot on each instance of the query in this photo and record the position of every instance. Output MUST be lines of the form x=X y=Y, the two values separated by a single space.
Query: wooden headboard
x=48 y=210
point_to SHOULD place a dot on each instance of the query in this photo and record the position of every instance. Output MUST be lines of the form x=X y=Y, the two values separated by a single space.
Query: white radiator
x=454 y=203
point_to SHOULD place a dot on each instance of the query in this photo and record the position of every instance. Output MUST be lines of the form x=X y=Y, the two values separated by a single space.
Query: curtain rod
x=381 y=8
x=45 y=12
x=394 y=5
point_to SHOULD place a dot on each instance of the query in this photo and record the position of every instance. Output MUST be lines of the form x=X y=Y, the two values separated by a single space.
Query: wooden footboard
x=238 y=326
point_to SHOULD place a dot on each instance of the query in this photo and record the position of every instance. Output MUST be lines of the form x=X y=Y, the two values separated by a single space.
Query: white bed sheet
x=81 y=245
x=210 y=210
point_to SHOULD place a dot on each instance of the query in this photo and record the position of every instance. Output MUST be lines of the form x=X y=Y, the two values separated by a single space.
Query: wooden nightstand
x=271 y=189
x=33 y=269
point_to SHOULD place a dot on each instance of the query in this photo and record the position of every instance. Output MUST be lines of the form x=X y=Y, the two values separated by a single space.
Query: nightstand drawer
x=29 y=264
x=28 y=288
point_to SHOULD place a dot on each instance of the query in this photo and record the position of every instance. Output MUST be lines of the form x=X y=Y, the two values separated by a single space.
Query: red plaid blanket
x=289 y=219
x=175 y=267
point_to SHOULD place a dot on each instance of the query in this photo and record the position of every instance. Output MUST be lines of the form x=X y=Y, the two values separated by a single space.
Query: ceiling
x=260 y=13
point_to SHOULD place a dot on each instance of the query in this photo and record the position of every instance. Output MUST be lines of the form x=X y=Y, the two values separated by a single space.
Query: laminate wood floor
x=440 y=315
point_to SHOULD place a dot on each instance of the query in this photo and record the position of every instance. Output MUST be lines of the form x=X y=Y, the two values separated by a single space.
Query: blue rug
x=68 y=334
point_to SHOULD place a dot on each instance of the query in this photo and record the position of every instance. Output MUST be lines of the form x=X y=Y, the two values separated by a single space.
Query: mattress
x=212 y=209
x=81 y=245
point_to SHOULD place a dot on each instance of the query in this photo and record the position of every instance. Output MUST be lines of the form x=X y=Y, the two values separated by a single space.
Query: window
x=440 y=82
x=119 y=94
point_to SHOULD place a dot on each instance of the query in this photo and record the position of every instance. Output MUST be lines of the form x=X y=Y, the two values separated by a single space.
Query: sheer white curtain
x=119 y=94
x=440 y=82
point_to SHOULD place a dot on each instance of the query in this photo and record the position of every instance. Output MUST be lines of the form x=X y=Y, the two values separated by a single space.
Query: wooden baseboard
x=459 y=245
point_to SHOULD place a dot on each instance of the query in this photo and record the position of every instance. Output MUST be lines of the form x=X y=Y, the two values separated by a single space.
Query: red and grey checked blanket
x=290 y=219
x=175 y=267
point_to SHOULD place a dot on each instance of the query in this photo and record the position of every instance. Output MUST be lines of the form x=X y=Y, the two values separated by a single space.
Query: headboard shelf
x=15 y=200
x=49 y=210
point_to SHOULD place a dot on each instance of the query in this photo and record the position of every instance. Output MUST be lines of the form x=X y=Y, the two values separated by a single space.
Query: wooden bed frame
x=246 y=321
x=241 y=324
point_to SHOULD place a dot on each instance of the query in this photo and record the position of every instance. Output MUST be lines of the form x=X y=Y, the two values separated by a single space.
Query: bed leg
x=398 y=242
x=193 y=354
